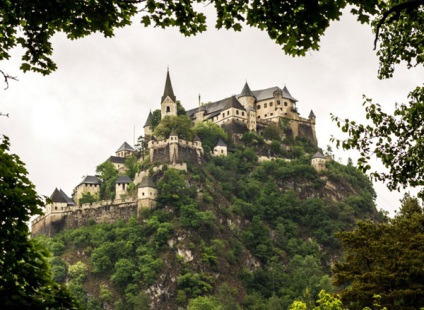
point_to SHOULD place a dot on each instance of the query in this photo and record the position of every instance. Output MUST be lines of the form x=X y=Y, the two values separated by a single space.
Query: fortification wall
x=74 y=217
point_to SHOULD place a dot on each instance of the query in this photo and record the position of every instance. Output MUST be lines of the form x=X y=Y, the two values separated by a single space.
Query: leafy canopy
x=384 y=259
x=25 y=277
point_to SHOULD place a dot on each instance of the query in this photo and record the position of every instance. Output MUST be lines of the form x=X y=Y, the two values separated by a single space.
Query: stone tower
x=169 y=101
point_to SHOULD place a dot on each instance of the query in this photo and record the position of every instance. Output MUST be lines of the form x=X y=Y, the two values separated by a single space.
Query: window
x=259 y=117
x=258 y=106
x=168 y=109
x=265 y=105
x=266 y=115
x=242 y=113
x=285 y=103
x=271 y=114
x=278 y=102
x=237 y=112
x=228 y=112
x=270 y=104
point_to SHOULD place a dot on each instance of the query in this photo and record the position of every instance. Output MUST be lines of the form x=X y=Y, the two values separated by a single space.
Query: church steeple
x=169 y=101
x=168 y=91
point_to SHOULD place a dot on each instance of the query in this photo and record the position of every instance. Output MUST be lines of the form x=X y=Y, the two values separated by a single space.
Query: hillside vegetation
x=233 y=233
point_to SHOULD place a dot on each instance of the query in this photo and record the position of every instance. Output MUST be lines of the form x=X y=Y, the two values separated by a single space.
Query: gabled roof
x=123 y=179
x=168 y=91
x=221 y=143
x=116 y=160
x=126 y=147
x=147 y=182
x=60 y=196
x=318 y=155
x=311 y=115
x=214 y=108
x=232 y=102
x=268 y=93
x=149 y=120
x=91 y=179
x=246 y=91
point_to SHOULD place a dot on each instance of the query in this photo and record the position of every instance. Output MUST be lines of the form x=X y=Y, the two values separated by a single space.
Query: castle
x=248 y=111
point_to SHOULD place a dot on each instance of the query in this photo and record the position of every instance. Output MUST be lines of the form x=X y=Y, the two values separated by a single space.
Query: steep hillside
x=233 y=232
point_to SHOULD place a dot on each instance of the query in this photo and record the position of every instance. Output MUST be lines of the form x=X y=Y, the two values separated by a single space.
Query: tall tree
x=384 y=259
x=25 y=278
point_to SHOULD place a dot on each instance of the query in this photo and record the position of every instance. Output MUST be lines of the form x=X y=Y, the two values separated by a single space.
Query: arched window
x=168 y=109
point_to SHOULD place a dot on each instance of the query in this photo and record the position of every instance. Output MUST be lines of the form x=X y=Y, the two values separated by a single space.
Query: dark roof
x=232 y=102
x=125 y=147
x=268 y=93
x=196 y=138
x=168 y=89
x=70 y=201
x=173 y=133
x=318 y=155
x=246 y=91
x=214 y=108
x=60 y=196
x=311 y=115
x=91 y=179
x=123 y=179
x=221 y=143
x=147 y=182
x=149 y=120
x=116 y=160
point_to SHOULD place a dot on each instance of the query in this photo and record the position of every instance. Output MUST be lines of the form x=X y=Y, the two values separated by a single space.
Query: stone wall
x=74 y=217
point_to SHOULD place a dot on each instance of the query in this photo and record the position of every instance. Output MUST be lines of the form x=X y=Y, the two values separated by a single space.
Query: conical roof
x=246 y=91
x=312 y=115
x=286 y=94
x=168 y=91
x=125 y=147
x=149 y=120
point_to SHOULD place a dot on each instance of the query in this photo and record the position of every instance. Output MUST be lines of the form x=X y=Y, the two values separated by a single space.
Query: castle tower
x=90 y=185
x=169 y=101
x=148 y=129
x=220 y=149
x=147 y=194
x=318 y=161
x=121 y=186
x=125 y=150
x=246 y=97
x=173 y=147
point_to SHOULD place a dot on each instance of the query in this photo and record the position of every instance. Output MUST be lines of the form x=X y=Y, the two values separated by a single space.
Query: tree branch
x=7 y=77
x=395 y=9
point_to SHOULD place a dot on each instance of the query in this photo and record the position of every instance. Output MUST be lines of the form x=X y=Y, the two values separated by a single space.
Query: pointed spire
x=246 y=91
x=286 y=94
x=312 y=115
x=168 y=91
x=149 y=120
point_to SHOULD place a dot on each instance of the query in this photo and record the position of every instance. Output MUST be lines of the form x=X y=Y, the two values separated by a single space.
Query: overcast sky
x=64 y=125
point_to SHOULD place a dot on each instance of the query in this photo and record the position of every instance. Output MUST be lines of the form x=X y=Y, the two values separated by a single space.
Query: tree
x=181 y=124
x=394 y=139
x=210 y=133
x=25 y=276
x=384 y=259
x=108 y=175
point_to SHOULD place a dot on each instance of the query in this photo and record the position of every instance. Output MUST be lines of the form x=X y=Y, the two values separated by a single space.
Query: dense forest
x=231 y=233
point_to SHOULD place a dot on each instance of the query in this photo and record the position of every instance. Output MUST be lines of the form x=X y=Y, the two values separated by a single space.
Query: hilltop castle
x=248 y=111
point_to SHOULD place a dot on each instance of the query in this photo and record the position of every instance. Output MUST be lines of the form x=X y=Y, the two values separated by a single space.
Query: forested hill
x=233 y=232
